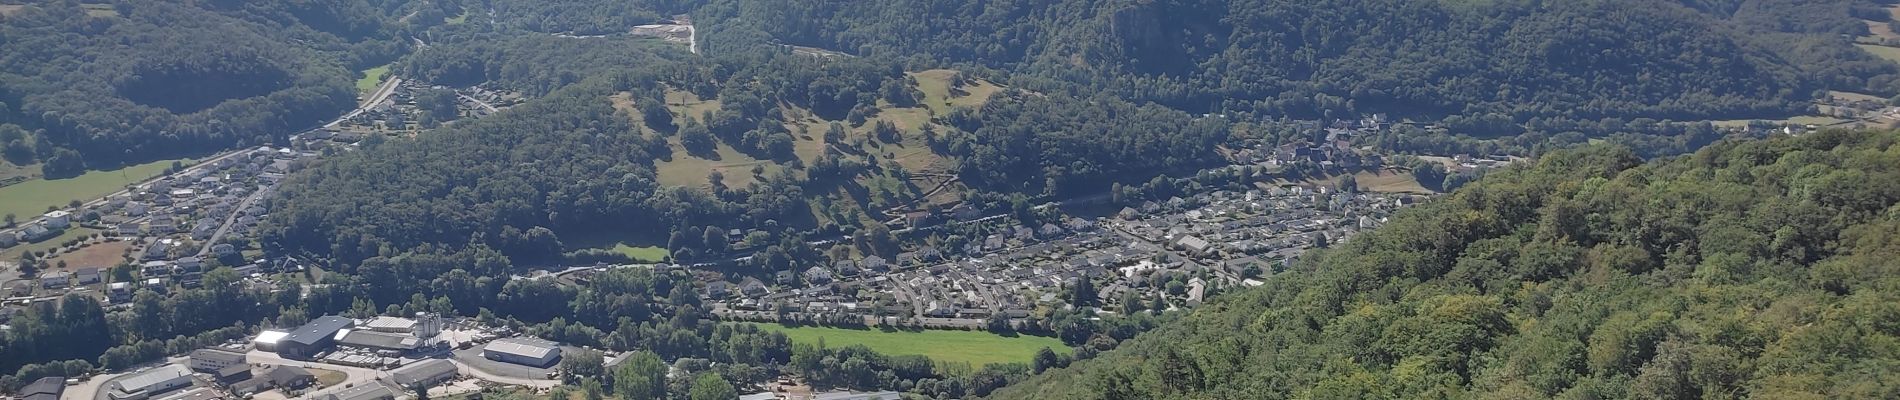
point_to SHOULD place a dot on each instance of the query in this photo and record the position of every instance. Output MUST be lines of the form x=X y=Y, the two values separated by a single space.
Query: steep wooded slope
x=1757 y=269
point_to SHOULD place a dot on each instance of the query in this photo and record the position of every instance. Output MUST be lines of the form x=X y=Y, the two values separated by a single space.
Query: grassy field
x=1851 y=96
x=457 y=20
x=692 y=171
x=372 y=78
x=1889 y=53
x=687 y=105
x=940 y=97
x=29 y=199
x=10 y=9
x=641 y=254
x=975 y=348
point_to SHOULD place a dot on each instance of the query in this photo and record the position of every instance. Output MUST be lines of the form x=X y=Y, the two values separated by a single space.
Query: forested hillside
x=1521 y=59
x=815 y=128
x=104 y=84
x=1754 y=269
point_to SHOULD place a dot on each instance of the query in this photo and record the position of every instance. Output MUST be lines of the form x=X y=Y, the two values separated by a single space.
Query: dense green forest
x=1749 y=269
x=101 y=85
x=1587 y=59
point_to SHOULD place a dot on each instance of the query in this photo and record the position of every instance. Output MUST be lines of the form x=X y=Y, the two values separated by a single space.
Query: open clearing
x=1382 y=181
x=1798 y=120
x=685 y=104
x=10 y=9
x=1889 y=53
x=105 y=254
x=8 y=170
x=940 y=96
x=972 y=347
x=372 y=78
x=1851 y=96
x=649 y=254
x=31 y=198
x=100 y=10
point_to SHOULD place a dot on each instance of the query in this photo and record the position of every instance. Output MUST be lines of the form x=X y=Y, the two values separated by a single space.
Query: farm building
x=529 y=352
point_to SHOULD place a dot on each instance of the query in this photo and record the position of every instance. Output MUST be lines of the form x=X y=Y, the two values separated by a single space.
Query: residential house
x=37 y=232
x=58 y=219
x=87 y=276
x=818 y=276
x=55 y=279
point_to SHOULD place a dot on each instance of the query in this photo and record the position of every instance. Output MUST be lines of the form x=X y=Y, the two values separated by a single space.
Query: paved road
x=382 y=93
x=353 y=376
x=490 y=107
x=230 y=220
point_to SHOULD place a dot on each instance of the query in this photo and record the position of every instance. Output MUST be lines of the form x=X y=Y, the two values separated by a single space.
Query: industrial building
x=144 y=385
x=378 y=341
x=364 y=392
x=212 y=360
x=529 y=352
x=425 y=373
x=424 y=325
x=314 y=337
x=268 y=340
x=48 y=388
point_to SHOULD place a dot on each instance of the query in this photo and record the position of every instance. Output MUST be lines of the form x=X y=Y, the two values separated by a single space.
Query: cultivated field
x=974 y=348
x=29 y=199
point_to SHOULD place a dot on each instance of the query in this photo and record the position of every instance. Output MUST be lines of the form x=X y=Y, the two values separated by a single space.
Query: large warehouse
x=529 y=352
x=314 y=337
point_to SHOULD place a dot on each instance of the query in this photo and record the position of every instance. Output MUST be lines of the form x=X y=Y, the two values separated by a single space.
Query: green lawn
x=30 y=199
x=649 y=254
x=975 y=348
x=372 y=78
x=1889 y=53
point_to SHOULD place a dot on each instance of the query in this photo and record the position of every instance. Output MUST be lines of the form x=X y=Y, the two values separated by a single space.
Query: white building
x=143 y=385
x=58 y=219
x=212 y=360
x=529 y=352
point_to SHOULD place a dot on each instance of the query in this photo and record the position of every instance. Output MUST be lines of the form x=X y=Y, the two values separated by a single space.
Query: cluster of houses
x=200 y=207
x=1215 y=238
x=400 y=112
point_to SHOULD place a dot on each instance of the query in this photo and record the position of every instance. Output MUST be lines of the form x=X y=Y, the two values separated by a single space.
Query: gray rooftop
x=152 y=377
x=423 y=370
x=530 y=348
x=316 y=330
